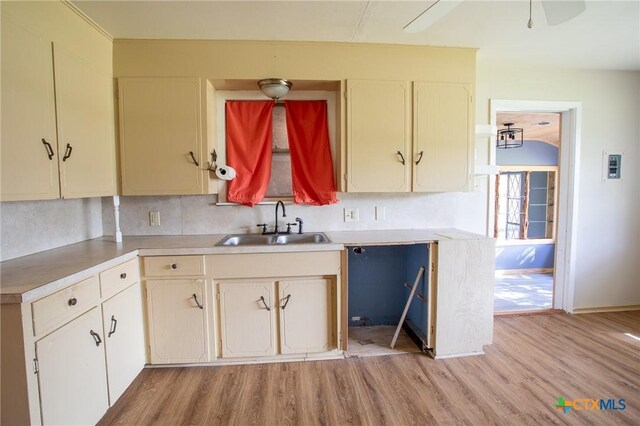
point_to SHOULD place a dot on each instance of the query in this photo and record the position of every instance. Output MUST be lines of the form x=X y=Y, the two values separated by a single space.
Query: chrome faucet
x=276 y=230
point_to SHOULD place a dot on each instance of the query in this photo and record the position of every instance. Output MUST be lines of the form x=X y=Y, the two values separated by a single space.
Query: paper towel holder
x=211 y=165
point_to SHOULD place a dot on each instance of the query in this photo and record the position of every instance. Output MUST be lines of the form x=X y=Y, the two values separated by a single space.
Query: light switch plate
x=381 y=213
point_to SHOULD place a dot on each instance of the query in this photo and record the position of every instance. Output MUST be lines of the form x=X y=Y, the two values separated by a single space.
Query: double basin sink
x=266 y=240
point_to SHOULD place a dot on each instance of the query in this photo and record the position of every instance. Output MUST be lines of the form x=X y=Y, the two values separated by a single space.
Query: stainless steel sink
x=265 y=240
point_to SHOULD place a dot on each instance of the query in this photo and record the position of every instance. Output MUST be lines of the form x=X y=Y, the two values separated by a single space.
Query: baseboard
x=524 y=271
x=528 y=312
x=606 y=309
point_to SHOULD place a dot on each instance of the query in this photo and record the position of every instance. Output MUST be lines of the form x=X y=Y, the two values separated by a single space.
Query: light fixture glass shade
x=275 y=88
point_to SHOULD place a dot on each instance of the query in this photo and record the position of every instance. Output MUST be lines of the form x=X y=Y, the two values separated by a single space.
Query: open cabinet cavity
x=380 y=282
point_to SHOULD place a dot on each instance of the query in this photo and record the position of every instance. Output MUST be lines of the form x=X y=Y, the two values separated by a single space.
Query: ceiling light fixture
x=275 y=88
x=508 y=138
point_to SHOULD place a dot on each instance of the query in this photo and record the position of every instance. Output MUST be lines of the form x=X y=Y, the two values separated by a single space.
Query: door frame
x=569 y=170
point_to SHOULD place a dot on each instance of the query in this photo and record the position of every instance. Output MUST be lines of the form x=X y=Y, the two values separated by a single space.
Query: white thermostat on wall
x=612 y=166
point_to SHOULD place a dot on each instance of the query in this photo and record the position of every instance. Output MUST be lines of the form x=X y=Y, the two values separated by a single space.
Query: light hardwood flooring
x=534 y=360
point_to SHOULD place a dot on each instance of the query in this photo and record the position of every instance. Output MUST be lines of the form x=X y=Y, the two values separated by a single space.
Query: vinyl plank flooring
x=533 y=361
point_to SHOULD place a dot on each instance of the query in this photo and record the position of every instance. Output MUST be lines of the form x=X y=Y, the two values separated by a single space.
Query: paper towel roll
x=225 y=172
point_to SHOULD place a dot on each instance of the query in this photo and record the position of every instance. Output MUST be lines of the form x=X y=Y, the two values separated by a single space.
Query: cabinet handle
x=174 y=266
x=420 y=158
x=123 y=275
x=195 y=298
x=401 y=157
x=264 y=303
x=286 y=301
x=72 y=301
x=47 y=146
x=114 y=324
x=96 y=337
x=67 y=152
x=193 y=157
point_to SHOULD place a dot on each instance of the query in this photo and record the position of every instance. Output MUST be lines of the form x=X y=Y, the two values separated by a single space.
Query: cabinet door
x=86 y=141
x=72 y=375
x=28 y=116
x=443 y=121
x=160 y=125
x=306 y=323
x=247 y=319
x=124 y=339
x=177 y=321
x=378 y=127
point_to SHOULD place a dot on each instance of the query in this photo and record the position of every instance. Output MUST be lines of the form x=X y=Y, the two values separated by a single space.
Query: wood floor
x=533 y=361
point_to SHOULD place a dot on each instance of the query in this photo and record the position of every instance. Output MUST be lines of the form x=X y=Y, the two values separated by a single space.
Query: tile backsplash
x=199 y=214
x=31 y=226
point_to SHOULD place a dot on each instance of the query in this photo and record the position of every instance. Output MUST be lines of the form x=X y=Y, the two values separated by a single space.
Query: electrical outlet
x=381 y=213
x=351 y=215
x=154 y=218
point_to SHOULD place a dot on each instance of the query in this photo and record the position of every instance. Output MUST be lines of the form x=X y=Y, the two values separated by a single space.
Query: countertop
x=28 y=278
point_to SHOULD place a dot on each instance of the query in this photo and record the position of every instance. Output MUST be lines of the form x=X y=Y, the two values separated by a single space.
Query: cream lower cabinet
x=123 y=326
x=177 y=321
x=306 y=320
x=301 y=308
x=247 y=318
x=72 y=373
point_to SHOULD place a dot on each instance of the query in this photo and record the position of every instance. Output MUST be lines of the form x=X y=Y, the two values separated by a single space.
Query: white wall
x=190 y=215
x=28 y=227
x=608 y=253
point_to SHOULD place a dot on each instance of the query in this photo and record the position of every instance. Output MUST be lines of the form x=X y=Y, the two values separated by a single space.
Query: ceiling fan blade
x=558 y=12
x=431 y=15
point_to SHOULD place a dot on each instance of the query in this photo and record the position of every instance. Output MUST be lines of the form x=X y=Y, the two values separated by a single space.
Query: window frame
x=520 y=169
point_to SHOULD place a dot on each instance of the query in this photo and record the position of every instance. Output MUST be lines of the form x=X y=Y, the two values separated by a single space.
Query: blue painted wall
x=376 y=278
x=417 y=256
x=532 y=153
x=529 y=256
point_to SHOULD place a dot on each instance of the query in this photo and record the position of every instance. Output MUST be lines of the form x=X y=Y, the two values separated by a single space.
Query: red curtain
x=311 y=164
x=249 y=139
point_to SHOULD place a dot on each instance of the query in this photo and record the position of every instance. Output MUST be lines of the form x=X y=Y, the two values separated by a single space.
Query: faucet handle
x=289 y=225
x=300 y=222
x=264 y=227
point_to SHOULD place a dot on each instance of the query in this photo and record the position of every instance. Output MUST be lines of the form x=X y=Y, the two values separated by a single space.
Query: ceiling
x=536 y=126
x=605 y=36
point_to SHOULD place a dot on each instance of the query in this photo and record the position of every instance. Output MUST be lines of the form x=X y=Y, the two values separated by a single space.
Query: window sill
x=532 y=242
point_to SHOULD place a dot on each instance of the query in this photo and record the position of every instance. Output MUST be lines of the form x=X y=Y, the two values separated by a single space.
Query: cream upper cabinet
x=42 y=115
x=123 y=325
x=378 y=136
x=177 y=321
x=442 y=136
x=71 y=372
x=29 y=152
x=437 y=150
x=247 y=318
x=86 y=140
x=306 y=316
x=161 y=136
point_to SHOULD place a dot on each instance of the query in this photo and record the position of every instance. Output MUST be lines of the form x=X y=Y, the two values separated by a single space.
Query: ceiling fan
x=556 y=12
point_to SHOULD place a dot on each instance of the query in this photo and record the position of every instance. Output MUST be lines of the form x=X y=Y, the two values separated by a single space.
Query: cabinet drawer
x=64 y=305
x=116 y=279
x=173 y=266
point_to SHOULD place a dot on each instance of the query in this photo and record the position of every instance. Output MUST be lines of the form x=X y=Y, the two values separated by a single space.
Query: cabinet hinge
x=345 y=177
x=36 y=367
x=220 y=347
x=471 y=98
x=340 y=339
x=433 y=266
x=346 y=95
x=218 y=295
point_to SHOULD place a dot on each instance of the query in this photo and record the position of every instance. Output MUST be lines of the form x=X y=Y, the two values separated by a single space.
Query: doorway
x=525 y=209
x=531 y=205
